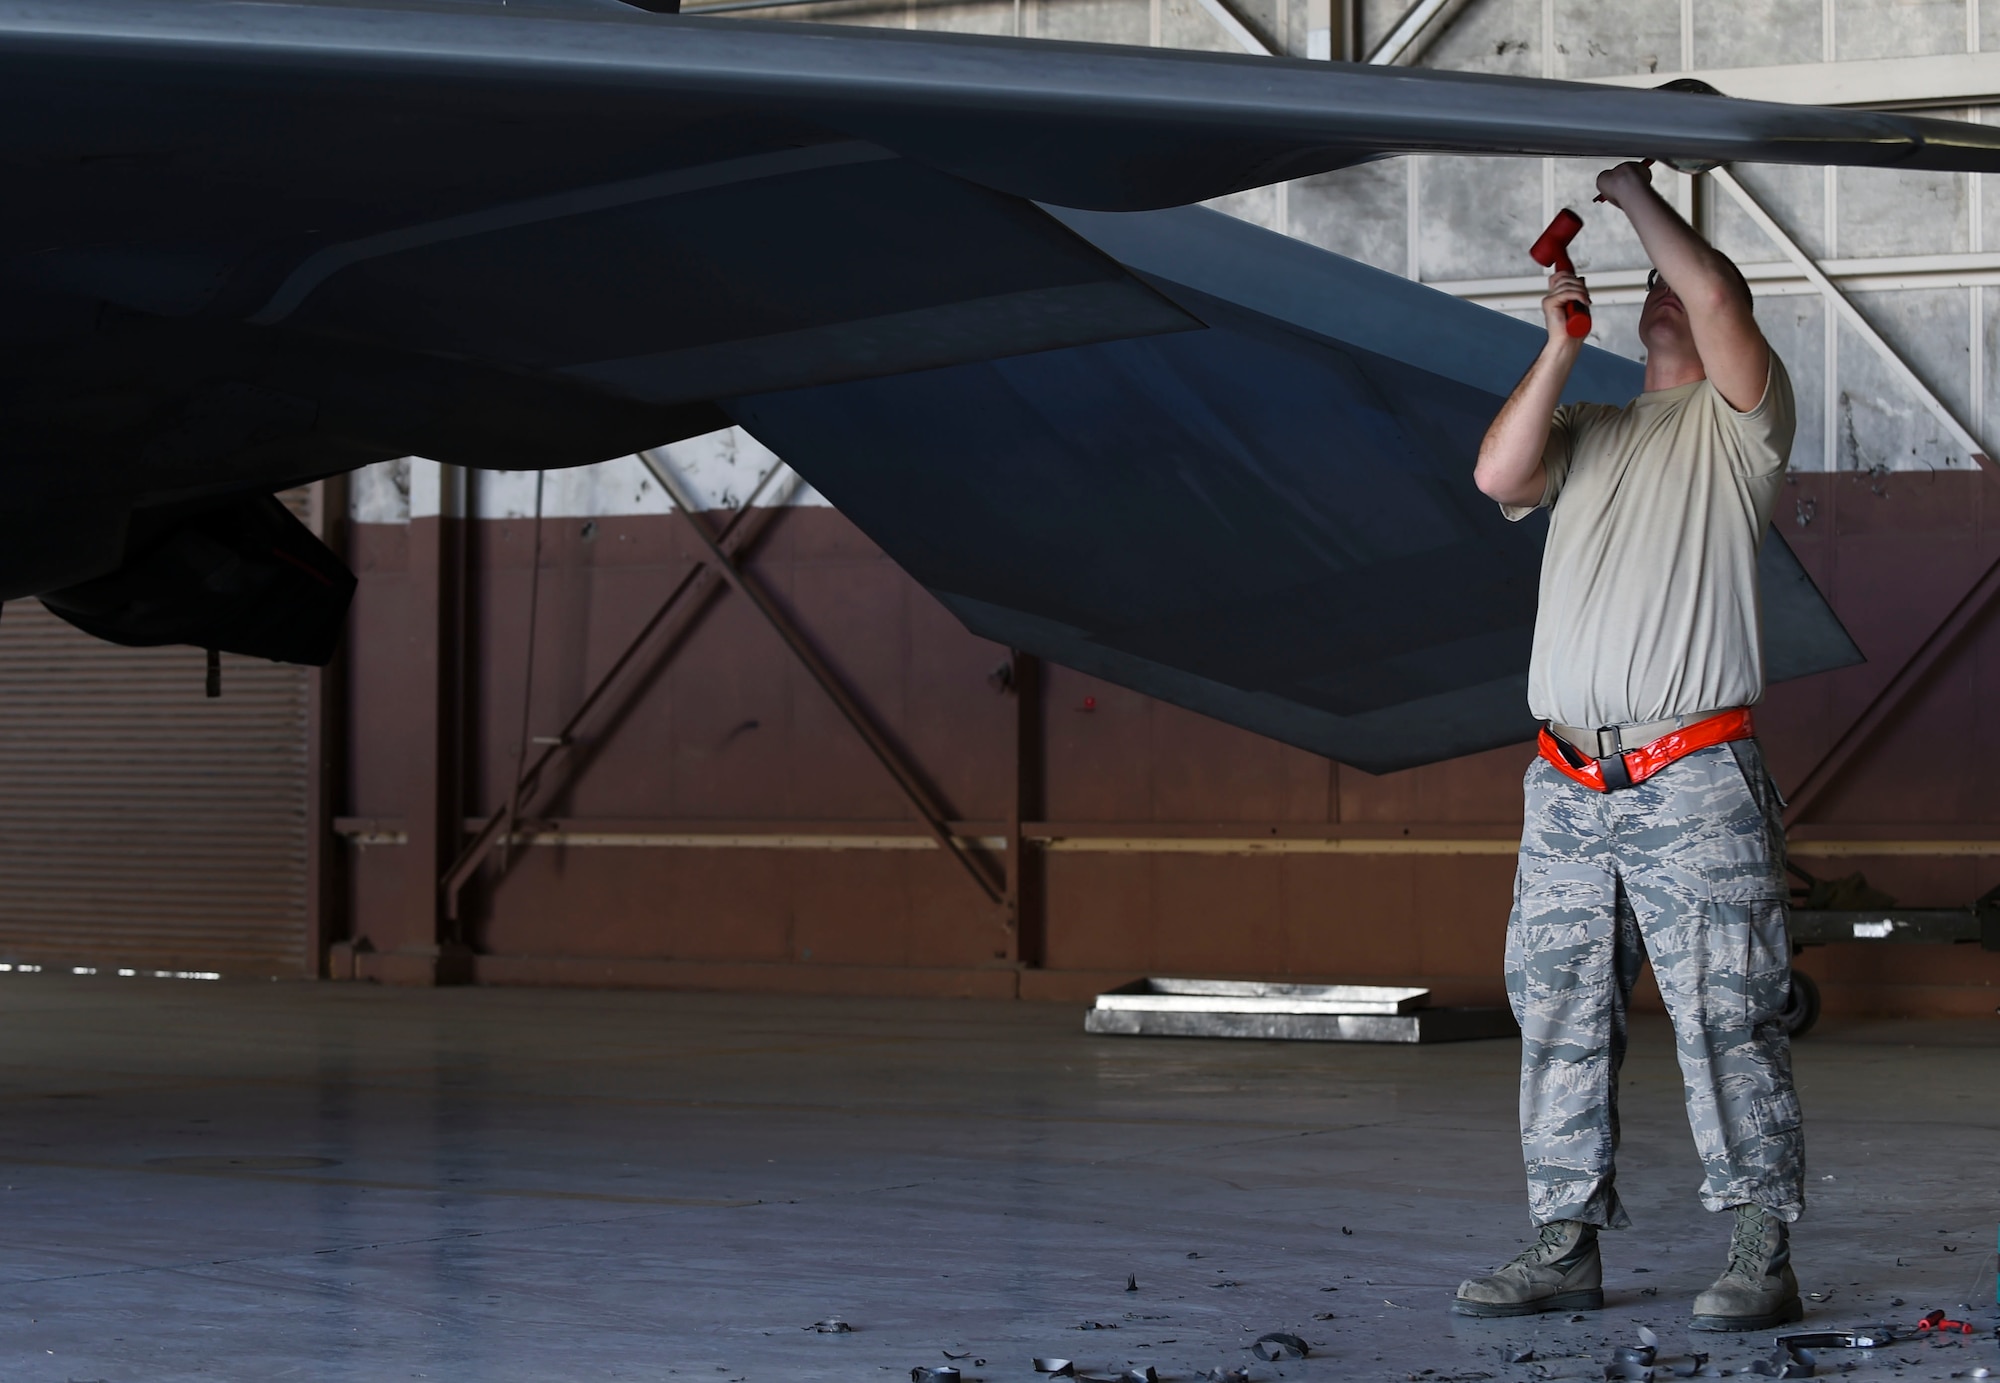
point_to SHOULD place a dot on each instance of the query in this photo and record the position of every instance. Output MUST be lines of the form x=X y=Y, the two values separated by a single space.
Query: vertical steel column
x=413 y=945
x=326 y=724
x=1321 y=42
x=1024 y=868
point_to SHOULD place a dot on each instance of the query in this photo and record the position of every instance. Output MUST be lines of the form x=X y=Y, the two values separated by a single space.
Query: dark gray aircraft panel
x=1271 y=521
x=801 y=266
x=1080 y=124
x=250 y=244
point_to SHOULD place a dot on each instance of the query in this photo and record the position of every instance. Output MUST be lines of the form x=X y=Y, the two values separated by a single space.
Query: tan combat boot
x=1758 y=1289
x=1560 y=1271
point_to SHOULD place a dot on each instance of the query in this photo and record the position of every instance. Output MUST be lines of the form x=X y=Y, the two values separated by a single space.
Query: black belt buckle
x=1616 y=776
x=1611 y=758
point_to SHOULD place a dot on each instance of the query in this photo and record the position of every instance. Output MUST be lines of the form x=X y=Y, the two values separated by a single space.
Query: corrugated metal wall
x=141 y=824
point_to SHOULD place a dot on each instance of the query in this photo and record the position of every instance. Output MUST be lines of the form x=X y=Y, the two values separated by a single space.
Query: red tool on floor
x=1551 y=251
x=1936 y=1321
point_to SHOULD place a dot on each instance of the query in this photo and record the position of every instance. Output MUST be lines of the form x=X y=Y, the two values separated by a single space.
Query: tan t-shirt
x=1649 y=600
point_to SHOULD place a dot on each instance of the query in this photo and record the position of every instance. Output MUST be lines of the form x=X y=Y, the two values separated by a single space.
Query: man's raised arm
x=1734 y=354
x=1510 y=468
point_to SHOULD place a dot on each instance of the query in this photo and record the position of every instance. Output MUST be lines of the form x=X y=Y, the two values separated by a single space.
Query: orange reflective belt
x=1642 y=763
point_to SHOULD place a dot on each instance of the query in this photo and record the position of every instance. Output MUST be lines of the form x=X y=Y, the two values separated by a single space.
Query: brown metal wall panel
x=947 y=927
x=1351 y=915
x=718 y=905
x=1204 y=764
x=1475 y=890
x=1981 y=736
x=1903 y=554
x=1100 y=750
x=963 y=743
x=873 y=981
x=1100 y=913
x=1893 y=552
x=732 y=728
x=380 y=632
x=854 y=909
x=893 y=908
x=1209 y=913
x=855 y=612
x=820 y=919
x=142 y=824
x=1479 y=788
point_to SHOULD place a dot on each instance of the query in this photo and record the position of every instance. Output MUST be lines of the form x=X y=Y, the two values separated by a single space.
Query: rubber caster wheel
x=1801 y=1009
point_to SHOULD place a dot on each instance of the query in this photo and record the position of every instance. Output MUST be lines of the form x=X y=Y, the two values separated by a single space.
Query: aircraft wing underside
x=254 y=242
x=1271 y=521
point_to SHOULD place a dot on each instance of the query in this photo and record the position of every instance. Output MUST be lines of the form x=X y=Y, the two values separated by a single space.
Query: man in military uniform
x=1652 y=827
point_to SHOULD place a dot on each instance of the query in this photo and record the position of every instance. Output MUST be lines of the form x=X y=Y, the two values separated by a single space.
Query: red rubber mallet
x=1552 y=252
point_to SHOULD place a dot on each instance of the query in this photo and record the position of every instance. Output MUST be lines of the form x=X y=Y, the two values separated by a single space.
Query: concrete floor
x=342 y=1182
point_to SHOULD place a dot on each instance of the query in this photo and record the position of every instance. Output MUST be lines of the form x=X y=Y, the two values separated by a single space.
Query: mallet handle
x=1578 y=314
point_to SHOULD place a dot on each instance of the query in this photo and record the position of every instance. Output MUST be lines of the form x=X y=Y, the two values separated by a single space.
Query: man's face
x=1663 y=322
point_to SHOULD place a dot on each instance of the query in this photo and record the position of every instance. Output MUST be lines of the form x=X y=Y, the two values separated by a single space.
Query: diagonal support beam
x=1233 y=25
x=1400 y=40
x=1404 y=35
x=1961 y=436
x=885 y=753
x=675 y=615
x=1937 y=645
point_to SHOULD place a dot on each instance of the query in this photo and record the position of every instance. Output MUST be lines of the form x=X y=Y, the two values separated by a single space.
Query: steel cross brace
x=933 y=816
x=1400 y=40
x=1404 y=35
x=1233 y=25
x=700 y=581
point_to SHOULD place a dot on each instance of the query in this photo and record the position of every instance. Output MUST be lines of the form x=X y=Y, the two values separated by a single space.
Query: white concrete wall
x=720 y=469
x=1473 y=218
x=1464 y=224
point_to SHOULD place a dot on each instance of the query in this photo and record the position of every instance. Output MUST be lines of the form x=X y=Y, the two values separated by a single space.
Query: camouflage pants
x=1687 y=868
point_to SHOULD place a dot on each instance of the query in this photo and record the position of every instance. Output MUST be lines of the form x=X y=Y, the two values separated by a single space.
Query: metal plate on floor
x=1425 y=1025
x=1256 y=996
x=1287 y=1012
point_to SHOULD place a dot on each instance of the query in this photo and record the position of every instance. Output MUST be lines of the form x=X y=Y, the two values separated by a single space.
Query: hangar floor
x=343 y=1182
